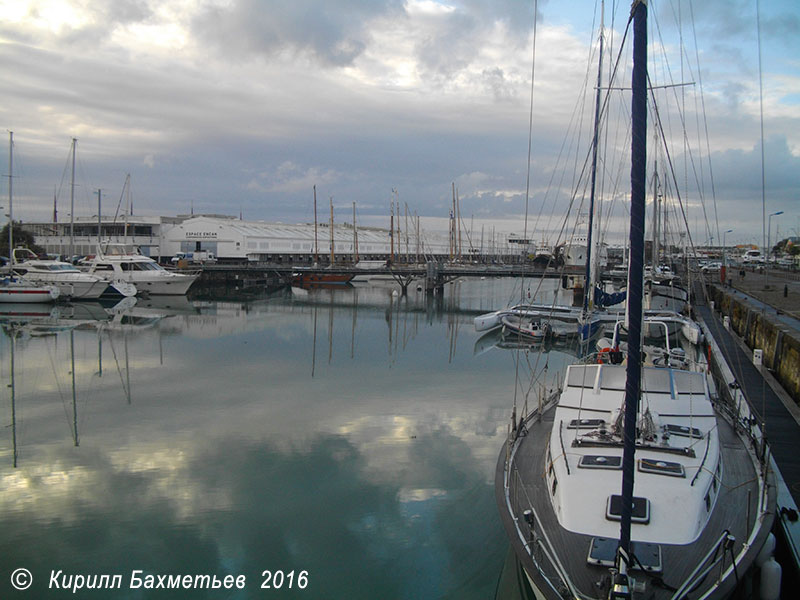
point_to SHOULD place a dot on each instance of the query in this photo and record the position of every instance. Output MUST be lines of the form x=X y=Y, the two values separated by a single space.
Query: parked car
x=712 y=267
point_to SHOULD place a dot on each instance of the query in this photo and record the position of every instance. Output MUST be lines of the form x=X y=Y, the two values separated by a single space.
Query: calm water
x=349 y=434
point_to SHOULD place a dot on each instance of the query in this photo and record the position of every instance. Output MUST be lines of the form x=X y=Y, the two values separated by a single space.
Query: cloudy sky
x=241 y=106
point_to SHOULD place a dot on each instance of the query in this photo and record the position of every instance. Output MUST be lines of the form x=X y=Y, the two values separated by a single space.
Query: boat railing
x=536 y=542
x=521 y=506
x=713 y=558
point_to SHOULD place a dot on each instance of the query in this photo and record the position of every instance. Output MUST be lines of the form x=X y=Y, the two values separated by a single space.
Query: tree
x=22 y=238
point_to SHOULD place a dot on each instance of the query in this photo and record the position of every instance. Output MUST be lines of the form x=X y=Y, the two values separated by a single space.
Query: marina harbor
x=413 y=300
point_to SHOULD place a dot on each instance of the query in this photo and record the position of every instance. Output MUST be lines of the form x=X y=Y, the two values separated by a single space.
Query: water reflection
x=197 y=441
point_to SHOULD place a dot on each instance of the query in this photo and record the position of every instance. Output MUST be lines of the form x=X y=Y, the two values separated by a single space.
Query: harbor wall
x=761 y=330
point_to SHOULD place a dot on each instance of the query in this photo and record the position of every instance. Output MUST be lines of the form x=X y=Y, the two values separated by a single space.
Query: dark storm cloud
x=333 y=33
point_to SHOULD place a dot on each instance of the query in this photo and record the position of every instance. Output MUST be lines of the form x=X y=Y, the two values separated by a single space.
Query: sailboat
x=314 y=277
x=12 y=287
x=629 y=482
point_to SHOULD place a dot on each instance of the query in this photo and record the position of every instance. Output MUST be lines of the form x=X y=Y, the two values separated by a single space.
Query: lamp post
x=724 y=269
x=769 y=233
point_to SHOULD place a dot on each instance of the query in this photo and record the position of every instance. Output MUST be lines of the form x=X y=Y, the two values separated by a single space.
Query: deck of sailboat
x=528 y=490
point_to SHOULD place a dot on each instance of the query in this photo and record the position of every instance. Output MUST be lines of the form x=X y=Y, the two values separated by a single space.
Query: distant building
x=232 y=239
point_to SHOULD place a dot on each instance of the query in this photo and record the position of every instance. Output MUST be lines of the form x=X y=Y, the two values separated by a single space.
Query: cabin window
x=708 y=501
x=592 y=461
x=104 y=267
x=554 y=486
x=639 y=514
x=684 y=431
x=661 y=467
x=586 y=423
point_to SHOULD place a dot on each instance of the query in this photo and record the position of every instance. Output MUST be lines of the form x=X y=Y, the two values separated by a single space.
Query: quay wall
x=758 y=329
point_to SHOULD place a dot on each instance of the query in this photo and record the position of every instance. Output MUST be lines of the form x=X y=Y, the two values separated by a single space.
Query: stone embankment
x=771 y=328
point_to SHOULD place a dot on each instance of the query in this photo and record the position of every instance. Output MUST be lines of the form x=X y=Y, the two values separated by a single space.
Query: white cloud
x=247 y=102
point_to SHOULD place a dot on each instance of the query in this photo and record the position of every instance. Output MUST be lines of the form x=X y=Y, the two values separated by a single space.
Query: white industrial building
x=232 y=239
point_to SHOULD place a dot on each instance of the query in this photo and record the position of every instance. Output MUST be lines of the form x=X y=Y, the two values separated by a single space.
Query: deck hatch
x=661 y=467
x=595 y=461
x=641 y=509
x=586 y=423
x=683 y=430
x=603 y=552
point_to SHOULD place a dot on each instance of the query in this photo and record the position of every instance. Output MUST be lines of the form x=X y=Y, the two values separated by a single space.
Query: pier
x=754 y=374
x=434 y=274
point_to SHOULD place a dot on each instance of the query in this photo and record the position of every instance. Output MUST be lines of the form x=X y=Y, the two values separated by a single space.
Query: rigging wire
x=528 y=170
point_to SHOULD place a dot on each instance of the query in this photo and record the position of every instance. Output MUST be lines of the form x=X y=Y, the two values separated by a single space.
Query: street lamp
x=724 y=269
x=769 y=232
x=723 y=244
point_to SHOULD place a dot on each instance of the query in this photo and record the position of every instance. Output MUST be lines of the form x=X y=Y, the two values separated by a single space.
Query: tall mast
x=636 y=270
x=332 y=255
x=127 y=187
x=391 y=228
x=397 y=205
x=72 y=203
x=406 y=226
x=656 y=218
x=591 y=241
x=10 y=198
x=99 y=218
x=355 y=236
x=316 y=241
x=416 y=218
x=458 y=225
x=452 y=224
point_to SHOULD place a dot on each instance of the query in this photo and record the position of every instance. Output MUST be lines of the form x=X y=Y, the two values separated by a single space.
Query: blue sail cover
x=602 y=298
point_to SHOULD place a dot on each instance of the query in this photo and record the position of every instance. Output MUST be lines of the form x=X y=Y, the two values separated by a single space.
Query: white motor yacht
x=123 y=262
x=70 y=281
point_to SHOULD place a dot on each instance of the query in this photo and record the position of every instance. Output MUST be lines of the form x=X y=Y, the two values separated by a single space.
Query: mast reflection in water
x=348 y=433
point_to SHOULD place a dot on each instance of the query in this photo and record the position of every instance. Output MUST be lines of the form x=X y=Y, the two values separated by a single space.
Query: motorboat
x=123 y=263
x=13 y=289
x=71 y=281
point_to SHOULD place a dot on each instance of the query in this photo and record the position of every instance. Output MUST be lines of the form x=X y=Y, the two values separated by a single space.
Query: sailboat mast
x=10 y=197
x=99 y=218
x=636 y=264
x=316 y=241
x=656 y=219
x=355 y=236
x=391 y=228
x=332 y=255
x=127 y=205
x=591 y=255
x=72 y=203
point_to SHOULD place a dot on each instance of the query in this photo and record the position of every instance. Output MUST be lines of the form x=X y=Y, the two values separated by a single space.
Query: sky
x=242 y=106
